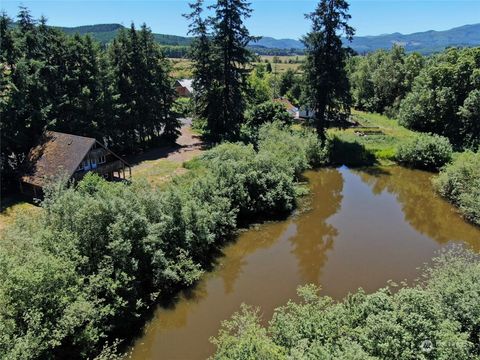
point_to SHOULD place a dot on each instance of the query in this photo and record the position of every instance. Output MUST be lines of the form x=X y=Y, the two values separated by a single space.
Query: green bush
x=459 y=182
x=261 y=114
x=425 y=151
x=434 y=319
x=183 y=106
x=298 y=149
x=85 y=272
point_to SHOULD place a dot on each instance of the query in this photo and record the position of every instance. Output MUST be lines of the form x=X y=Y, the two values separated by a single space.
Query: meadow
x=182 y=67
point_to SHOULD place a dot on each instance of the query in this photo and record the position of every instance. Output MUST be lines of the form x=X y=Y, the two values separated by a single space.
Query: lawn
x=13 y=208
x=375 y=140
x=157 y=172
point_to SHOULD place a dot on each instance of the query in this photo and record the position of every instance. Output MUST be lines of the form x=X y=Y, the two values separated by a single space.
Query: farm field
x=181 y=67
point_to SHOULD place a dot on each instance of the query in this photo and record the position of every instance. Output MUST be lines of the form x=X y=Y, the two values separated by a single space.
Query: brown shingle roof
x=58 y=154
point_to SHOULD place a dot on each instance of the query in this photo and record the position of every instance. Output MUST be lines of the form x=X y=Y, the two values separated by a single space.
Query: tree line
x=438 y=94
x=121 y=95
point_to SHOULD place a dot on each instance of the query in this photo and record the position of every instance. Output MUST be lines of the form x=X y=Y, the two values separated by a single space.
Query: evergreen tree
x=7 y=47
x=24 y=106
x=205 y=95
x=220 y=57
x=79 y=108
x=142 y=92
x=325 y=75
x=230 y=40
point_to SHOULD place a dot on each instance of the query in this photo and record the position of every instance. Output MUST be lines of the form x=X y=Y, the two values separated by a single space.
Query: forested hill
x=423 y=42
x=106 y=32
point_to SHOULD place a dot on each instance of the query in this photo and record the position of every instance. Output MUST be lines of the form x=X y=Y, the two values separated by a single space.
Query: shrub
x=84 y=272
x=258 y=115
x=433 y=319
x=183 y=106
x=296 y=149
x=425 y=151
x=459 y=182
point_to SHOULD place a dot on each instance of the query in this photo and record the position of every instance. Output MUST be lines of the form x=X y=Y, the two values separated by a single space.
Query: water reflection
x=362 y=228
x=314 y=234
x=423 y=209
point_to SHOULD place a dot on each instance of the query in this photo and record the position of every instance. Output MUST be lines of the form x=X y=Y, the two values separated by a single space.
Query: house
x=70 y=156
x=184 y=87
x=291 y=109
x=306 y=113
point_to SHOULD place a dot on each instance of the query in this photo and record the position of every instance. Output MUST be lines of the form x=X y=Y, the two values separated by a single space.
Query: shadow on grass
x=7 y=202
x=351 y=154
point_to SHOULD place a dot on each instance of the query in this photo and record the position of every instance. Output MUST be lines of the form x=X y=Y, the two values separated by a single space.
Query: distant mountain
x=424 y=42
x=271 y=43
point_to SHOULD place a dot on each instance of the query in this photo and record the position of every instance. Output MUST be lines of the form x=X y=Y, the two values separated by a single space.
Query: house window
x=85 y=165
x=102 y=159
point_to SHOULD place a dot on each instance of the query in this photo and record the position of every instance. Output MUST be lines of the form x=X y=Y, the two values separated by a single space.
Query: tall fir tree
x=142 y=92
x=220 y=56
x=230 y=40
x=25 y=106
x=79 y=108
x=205 y=94
x=326 y=79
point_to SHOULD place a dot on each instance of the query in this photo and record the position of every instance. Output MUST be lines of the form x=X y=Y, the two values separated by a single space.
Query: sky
x=275 y=18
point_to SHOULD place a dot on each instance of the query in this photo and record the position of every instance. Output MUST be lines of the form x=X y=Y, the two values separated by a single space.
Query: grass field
x=375 y=140
x=13 y=208
x=182 y=67
x=157 y=172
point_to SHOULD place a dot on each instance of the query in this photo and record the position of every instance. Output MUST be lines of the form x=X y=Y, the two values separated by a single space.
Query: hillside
x=424 y=42
x=106 y=32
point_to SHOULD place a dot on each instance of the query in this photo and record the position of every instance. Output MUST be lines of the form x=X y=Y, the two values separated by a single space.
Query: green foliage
x=445 y=96
x=434 y=319
x=295 y=149
x=425 y=151
x=380 y=80
x=219 y=55
x=459 y=182
x=122 y=96
x=85 y=271
x=258 y=115
x=267 y=112
x=326 y=79
x=260 y=85
x=142 y=95
x=183 y=106
x=242 y=338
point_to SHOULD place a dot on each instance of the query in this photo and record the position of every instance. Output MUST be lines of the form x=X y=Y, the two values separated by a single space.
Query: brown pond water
x=363 y=228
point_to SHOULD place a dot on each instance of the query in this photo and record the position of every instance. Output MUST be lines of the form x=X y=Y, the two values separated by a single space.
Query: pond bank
x=364 y=227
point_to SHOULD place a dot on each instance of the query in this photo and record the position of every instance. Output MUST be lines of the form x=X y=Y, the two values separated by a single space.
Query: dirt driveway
x=159 y=165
